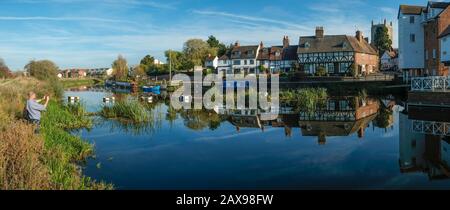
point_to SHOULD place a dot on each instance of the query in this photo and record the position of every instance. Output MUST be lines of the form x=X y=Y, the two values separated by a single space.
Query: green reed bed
x=129 y=110
x=305 y=99
x=65 y=150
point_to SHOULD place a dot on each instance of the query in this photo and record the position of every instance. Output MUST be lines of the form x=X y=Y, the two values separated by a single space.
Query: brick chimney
x=285 y=42
x=236 y=44
x=359 y=36
x=261 y=45
x=319 y=32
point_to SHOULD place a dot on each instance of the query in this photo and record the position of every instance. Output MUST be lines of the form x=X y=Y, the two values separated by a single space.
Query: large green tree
x=196 y=51
x=43 y=69
x=178 y=60
x=120 y=69
x=382 y=40
x=214 y=43
x=4 y=70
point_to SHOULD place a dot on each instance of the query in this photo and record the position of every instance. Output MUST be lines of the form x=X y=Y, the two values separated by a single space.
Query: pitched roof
x=411 y=9
x=290 y=53
x=334 y=43
x=210 y=58
x=264 y=53
x=244 y=52
x=226 y=56
x=445 y=32
x=441 y=5
x=276 y=53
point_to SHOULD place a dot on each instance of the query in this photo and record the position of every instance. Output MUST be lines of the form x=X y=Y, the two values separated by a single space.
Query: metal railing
x=430 y=84
x=431 y=127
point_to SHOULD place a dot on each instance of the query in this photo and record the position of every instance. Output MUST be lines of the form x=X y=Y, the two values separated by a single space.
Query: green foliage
x=308 y=99
x=130 y=110
x=63 y=149
x=321 y=71
x=42 y=70
x=353 y=70
x=120 y=67
x=263 y=69
x=382 y=40
x=176 y=59
x=383 y=118
x=140 y=71
x=196 y=51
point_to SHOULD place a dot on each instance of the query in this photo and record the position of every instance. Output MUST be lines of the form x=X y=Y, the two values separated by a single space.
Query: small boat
x=151 y=88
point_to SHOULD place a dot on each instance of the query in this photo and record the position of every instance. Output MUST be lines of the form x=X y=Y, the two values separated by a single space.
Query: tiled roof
x=264 y=53
x=243 y=52
x=226 y=56
x=276 y=53
x=334 y=43
x=445 y=32
x=290 y=53
x=441 y=5
x=411 y=9
x=210 y=58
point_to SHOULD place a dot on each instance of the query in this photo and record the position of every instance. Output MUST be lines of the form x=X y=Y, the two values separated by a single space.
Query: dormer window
x=344 y=45
x=277 y=53
x=307 y=45
x=250 y=52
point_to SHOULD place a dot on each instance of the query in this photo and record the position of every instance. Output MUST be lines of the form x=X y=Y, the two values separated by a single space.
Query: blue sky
x=88 y=34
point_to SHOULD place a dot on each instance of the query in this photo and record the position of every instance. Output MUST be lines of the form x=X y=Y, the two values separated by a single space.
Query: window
x=237 y=62
x=330 y=67
x=307 y=45
x=411 y=19
x=412 y=38
x=426 y=54
x=245 y=62
x=434 y=53
x=252 y=62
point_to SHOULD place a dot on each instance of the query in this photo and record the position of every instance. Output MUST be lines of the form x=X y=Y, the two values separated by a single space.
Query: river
x=353 y=148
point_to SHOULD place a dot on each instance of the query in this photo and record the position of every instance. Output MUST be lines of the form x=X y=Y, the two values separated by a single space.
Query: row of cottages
x=420 y=50
x=336 y=53
x=72 y=73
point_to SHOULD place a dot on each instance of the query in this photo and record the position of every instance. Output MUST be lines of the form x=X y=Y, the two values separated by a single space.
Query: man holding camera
x=34 y=109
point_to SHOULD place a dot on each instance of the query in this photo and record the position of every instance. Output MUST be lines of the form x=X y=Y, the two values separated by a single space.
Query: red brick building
x=433 y=28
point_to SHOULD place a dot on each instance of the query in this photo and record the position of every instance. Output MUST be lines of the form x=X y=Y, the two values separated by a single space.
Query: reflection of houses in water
x=422 y=150
x=341 y=117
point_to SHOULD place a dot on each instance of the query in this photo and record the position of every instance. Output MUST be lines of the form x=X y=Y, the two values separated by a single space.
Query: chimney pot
x=319 y=32
x=359 y=36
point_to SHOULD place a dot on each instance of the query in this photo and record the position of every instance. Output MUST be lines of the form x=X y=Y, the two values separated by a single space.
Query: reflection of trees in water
x=201 y=119
x=384 y=118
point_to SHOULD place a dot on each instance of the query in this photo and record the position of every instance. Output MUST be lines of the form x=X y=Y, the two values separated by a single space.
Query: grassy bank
x=76 y=82
x=49 y=160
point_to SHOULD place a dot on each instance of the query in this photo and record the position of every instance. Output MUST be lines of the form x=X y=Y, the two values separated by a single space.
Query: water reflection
x=349 y=142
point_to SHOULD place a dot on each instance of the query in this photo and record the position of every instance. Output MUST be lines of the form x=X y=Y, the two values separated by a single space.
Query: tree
x=382 y=40
x=42 y=70
x=196 y=51
x=120 y=68
x=175 y=58
x=4 y=70
x=139 y=71
x=221 y=48
x=213 y=42
x=148 y=60
x=353 y=70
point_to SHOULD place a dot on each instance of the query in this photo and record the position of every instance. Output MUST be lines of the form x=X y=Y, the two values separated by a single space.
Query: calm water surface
x=209 y=151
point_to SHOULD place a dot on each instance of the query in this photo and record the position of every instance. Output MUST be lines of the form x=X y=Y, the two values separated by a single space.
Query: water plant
x=308 y=99
x=130 y=110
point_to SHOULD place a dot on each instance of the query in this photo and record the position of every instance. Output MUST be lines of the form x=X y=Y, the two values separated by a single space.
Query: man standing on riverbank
x=34 y=109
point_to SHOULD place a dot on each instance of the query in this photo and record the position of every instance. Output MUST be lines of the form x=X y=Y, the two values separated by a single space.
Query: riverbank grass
x=51 y=159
